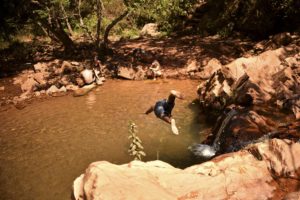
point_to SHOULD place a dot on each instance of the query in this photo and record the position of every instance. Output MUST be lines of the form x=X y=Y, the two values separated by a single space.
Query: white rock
x=52 y=89
x=75 y=63
x=150 y=29
x=62 y=89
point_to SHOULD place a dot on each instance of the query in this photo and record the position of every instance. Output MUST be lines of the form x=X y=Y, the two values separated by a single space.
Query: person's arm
x=149 y=110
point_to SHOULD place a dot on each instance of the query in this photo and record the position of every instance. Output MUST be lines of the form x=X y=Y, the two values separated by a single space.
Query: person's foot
x=176 y=94
x=173 y=127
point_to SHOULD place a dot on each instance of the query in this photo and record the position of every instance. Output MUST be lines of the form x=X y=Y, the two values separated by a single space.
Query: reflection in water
x=90 y=99
x=48 y=144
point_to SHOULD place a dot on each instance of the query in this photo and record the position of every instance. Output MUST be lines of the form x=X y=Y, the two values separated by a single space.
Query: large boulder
x=266 y=170
x=268 y=77
x=150 y=29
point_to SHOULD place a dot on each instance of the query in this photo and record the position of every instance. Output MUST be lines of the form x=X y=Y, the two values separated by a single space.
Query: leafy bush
x=136 y=148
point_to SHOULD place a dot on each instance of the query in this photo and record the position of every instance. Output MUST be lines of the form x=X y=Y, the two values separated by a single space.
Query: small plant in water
x=136 y=148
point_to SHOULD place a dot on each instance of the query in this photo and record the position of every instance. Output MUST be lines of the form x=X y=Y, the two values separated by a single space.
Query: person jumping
x=163 y=109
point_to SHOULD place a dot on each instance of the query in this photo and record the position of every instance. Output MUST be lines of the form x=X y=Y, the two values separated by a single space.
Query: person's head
x=245 y=100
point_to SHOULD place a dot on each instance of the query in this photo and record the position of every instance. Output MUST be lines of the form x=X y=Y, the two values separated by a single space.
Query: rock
x=249 y=174
x=84 y=90
x=52 y=89
x=268 y=80
x=40 y=67
x=72 y=87
x=212 y=66
x=150 y=29
x=293 y=61
x=192 y=66
x=242 y=128
x=79 y=82
x=28 y=85
x=75 y=63
x=171 y=74
x=39 y=77
x=127 y=73
x=20 y=105
x=282 y=39
x=65 y=80
x=62 y=89
x=37 y=94
x=67 y=67
x=2 y=88
x=292 y=196
x=140 y=73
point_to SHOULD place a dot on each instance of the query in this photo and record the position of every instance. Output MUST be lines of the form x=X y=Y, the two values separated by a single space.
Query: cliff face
x=267 y=170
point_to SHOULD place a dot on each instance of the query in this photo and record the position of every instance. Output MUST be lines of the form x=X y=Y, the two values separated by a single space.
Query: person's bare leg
x=172 y=122
x=149 y=110
x=166 y=119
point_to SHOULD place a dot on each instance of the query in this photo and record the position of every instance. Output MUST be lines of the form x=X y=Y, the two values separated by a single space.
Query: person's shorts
x=159 y=109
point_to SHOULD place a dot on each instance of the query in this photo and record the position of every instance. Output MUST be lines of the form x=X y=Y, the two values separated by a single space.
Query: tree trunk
x=66 y=18
x=59 y=33
x=82 y=25
x=99 y=16
x=111 y=25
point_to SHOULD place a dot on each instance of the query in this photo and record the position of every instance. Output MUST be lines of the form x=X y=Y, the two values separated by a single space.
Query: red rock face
x=267 y=170
x=273 y=78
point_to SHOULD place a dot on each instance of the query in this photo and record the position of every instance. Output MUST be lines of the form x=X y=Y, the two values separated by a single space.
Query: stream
x=45 y=146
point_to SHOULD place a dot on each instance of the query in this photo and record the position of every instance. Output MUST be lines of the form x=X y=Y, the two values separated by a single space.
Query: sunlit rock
x=252 y=173
x=150 y=29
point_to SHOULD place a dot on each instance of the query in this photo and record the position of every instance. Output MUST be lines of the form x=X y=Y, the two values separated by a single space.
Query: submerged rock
x=257 y=172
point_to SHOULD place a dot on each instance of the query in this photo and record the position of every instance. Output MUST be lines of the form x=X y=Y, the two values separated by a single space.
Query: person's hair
x=245 y=100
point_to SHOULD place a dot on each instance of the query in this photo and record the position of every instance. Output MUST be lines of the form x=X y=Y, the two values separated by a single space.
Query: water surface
x=45 y=146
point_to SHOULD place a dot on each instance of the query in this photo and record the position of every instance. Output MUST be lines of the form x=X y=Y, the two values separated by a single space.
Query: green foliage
x=135 y=148
x=167 y=13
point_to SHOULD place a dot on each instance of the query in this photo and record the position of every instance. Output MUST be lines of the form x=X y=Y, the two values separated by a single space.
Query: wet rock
x=127 y=73
x=171 y=74
x=150 y=29
x=52 y=89
x=260 y=166
x=72 y=87
x=234 y=133
x=20 y=105
x=62 y=89
x=84 y=90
